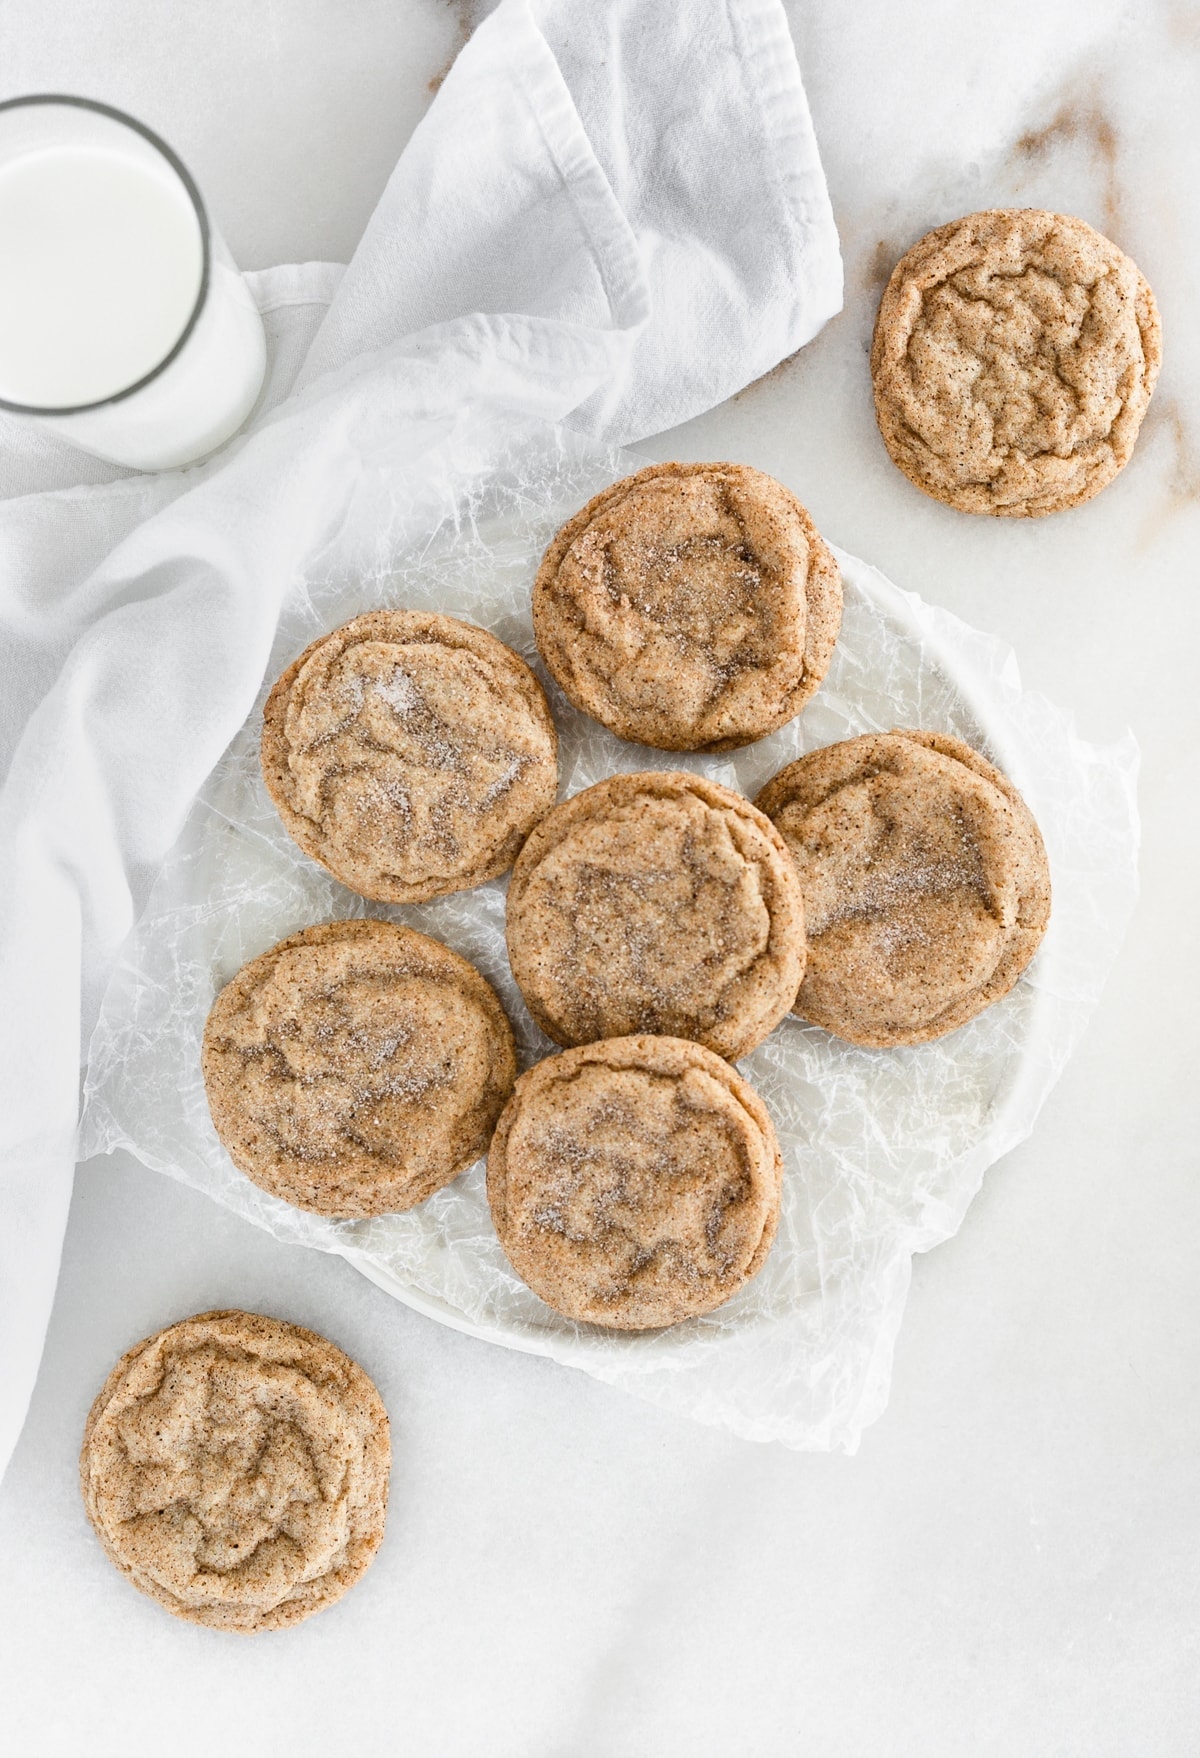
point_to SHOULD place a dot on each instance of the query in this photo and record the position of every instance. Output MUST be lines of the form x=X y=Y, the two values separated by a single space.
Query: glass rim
x=189 y=183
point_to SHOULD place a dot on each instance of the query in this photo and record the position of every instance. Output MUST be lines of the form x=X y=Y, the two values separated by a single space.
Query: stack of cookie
x=659 y=925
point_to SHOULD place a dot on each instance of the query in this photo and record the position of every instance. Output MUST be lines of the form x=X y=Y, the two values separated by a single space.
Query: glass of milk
x=124 y=324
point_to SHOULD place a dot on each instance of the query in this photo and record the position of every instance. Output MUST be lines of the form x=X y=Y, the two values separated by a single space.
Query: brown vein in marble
x=879 y=266
x=1182 y=488
x=468 y=14
x=1081 y=120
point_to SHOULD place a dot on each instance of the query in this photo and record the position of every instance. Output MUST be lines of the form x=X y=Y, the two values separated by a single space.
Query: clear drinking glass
x=124 y=323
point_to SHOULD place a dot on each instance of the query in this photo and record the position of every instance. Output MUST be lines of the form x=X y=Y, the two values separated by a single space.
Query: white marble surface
x=1009 y=1565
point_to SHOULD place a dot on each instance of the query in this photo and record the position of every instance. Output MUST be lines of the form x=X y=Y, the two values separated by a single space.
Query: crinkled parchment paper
x=884 y=1149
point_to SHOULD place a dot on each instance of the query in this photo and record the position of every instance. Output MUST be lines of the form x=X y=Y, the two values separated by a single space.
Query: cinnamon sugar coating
x=410 y=754
x=357 y=1067
x=635 y=1182
x=657 y=902
x=1014 y=357
x=235 y=1469
x=926 y=887
x=692 y=607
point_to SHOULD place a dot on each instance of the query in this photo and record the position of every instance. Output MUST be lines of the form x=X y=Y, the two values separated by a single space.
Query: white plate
x=883 y=1149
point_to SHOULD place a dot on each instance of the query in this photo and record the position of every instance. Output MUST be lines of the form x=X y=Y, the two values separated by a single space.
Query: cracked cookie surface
x=926 y=887
x=692 y=607
x=235 y=1468
x=1014 y=356
x=410 y=754
x=657 y=902
x=635 y=1182
x=357 y=1067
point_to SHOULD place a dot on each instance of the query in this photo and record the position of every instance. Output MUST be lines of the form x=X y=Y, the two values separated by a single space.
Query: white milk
x=101 y=268
x=100 y=265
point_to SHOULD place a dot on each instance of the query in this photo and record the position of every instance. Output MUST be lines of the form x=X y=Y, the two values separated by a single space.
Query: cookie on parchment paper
x=635 y=1182
x=657 y=902
x=925 y=880
x=410 y=754
x=692 y=607
x=235 y=1468
x=1014 y=356
x=357 y=1067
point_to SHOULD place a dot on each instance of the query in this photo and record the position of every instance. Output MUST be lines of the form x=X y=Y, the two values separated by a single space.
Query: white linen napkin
x=612 y=215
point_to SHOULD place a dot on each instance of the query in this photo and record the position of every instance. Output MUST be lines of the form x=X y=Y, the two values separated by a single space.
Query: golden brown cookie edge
x=289 y=1611
x=974 y=498
x=641 y=1048
x=325 y=933
x=273 y=748
x=1027 y=937
x=786 y=933
x=823 y=610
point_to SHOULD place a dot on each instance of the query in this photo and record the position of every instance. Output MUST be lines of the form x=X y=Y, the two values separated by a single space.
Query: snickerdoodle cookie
x=657 y=902
x=692 y=607
x=357 y=1067
x=1014 y=357
x=635 y=1182
x=926 y=888
x=235 y=1469
x=409 y=753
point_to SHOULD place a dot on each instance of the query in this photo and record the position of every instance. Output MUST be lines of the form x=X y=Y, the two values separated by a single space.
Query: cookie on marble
x=411 y=754
x=357 y=1067
x=657 y=902
x=235 y=1469
x=635 y=1182
x=692 y=607
x=926 y=886
x=1014 y=356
